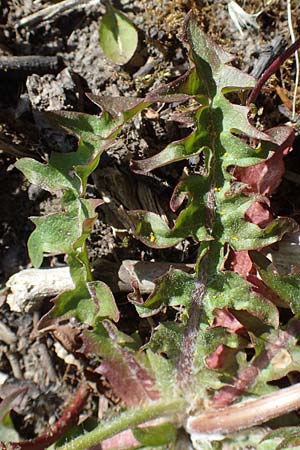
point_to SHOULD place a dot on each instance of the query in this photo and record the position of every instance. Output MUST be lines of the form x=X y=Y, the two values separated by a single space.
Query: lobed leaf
x=219 y=135
x=89 y=301
x=173 y=289
x=286 y=286
x=205 y=352
x=228 y=289
x=62 y=232
x=130 y=379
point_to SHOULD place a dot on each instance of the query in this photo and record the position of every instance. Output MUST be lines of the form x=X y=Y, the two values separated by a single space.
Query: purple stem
x=272 y=69
x=57 y=430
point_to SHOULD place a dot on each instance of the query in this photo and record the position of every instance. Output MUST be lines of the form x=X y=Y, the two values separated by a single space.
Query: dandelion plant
x=212 y=369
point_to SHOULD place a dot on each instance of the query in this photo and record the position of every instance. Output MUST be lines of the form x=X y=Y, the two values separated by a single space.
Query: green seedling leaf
x=118 y=36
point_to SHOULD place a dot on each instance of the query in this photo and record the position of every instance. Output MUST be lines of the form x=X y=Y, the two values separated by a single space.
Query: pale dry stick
x=26 y=290
x=47 y=363
x=292 y=34
x=26 y=65
x=54 y=10
x=14 y=364
x=246 y=414
x=6 y=334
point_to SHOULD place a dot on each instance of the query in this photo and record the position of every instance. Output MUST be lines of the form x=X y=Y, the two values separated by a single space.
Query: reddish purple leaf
x=217 y=358
x=129 y=380
x=258 y=214
x=264 y=178
x=224 y=318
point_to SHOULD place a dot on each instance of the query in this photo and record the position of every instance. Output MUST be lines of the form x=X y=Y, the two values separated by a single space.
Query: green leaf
x=164 y=372
x=118 y=36
x=173 y=289
x=69 y=171
x=192 y=352
x=8 y=433
x=62 y=232
x=156 y=435
x=228 y=289
x=154 y=232
x=290 y=437
x=242 y=234
x=249 y=439
x=88 y=301
x=286 y=286
x=120 y=107
x=217 y=121
x=290 y=442
x=166 y=340
x=104 y=301
x=48 y=176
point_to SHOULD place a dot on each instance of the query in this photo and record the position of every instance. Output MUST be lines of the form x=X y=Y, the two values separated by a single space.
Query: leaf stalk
x=126 y=420
x=246 y=414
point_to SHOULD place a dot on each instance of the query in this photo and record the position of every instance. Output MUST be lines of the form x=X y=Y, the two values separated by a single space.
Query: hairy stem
x=186 y=357
x=124 y=421
x=85 y=258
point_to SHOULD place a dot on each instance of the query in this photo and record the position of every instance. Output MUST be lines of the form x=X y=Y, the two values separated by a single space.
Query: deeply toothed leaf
x=215 y=336
x=62 y=232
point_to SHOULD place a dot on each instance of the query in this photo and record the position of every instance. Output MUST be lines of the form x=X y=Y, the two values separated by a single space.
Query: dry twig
x=292 y=34
x=50 y=12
